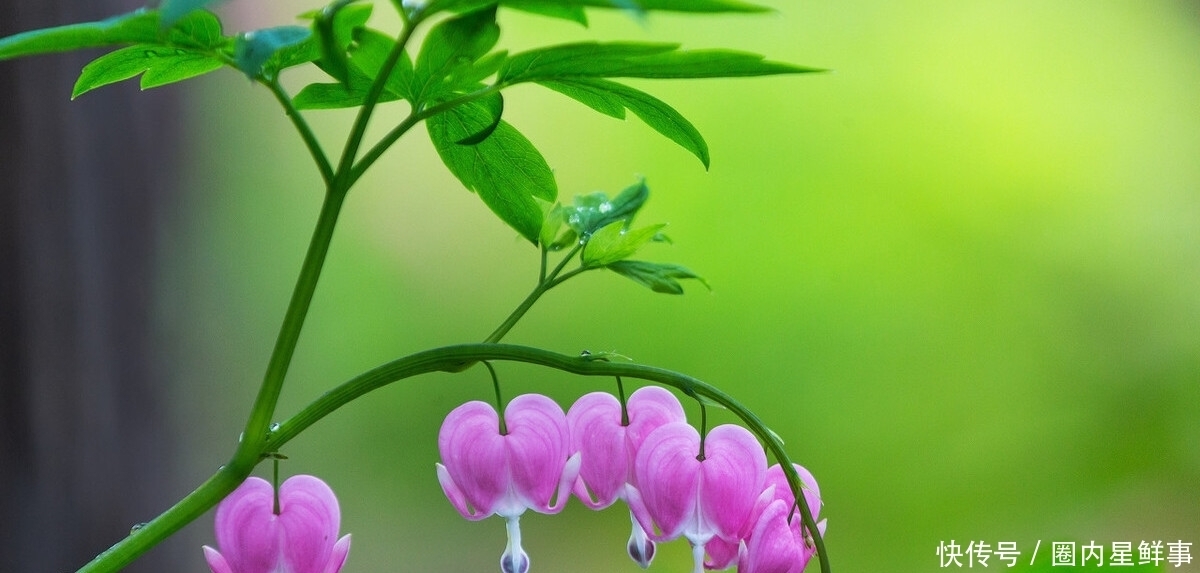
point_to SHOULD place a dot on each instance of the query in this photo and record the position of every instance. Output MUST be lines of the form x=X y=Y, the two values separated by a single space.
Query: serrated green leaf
x=370 y=53
x=671 y=5
x=637 y=60
x=450 y=49
x=634 y=5
x=253 y=50
x=200 y=30
x=339 y=95
x=459 y=6
x=596 y=98
x=139 y=26
x=551 y=8
x=614 y=242
x=161 y=65
x=174 y=10
x=333 y=32
x=505 y=169
x=605 y=95
x=658 y=277
x=494 y=104
x=583 y=59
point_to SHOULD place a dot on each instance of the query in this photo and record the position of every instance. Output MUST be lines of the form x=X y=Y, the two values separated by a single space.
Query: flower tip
x=641 y=551
x=341 y=550
x=216 y=561
x=518 y=563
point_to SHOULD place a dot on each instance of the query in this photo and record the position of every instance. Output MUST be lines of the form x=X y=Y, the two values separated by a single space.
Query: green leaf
x=595 y=210
x=552 y=221
x=548 y=7
x=200 y=30
x=494 y=104
x=174 y=10
x=551 y=8
x=589 y=59
x=253 y=50
x=334 y=27
x=449 y=49
x=161 y=65
x=658 y=277
x=601 y=100
x=614 y=242
x=369 y=54
x=670 y=5
x=607 y=96
x=505 y=169
x=637 y=60
x=139 y=26
x=339 y=95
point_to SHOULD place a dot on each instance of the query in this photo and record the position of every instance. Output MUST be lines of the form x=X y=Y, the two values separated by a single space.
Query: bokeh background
x=958 y=274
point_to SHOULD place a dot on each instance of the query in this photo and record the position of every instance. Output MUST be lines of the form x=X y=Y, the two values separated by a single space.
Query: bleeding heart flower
x=299 y=539
x=488 y=473
x=693 y=497
x=608 y=449
x=774 y=545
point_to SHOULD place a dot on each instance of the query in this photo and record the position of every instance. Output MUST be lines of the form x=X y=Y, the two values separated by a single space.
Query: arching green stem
x=452 y=359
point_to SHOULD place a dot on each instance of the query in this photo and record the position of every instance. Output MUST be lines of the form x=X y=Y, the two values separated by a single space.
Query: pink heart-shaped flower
x=300 y=539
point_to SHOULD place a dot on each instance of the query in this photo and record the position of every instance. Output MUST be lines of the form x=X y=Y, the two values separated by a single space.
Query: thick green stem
x=182 y=513
x=250 y=448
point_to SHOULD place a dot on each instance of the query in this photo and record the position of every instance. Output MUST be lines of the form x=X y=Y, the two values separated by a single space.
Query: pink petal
x=668 y=480
x=473 y=452
x=537 y=444
x=337 y=558
x=649 y=408
x=721 y=554
x=309 y=518
x=733 y=471
x=246 y=529
x=594 y=424
x=773 y=546
x=812 y=493
x=216 y=562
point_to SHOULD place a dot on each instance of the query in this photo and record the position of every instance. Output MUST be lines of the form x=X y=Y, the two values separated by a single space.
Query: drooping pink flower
x=486 y=472
x=608 y=449
x=698 y=499
x=299 y=539
x=761 y=553
x=774 y=545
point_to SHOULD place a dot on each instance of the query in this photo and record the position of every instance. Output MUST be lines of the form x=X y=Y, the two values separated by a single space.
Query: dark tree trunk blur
x=84 y=439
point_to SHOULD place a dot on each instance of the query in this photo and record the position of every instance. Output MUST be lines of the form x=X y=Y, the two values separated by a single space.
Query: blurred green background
x=958 y=275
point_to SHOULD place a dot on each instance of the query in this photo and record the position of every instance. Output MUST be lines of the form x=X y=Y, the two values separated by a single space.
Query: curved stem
x=372 y=155
x=182 y=513
x=452 y=359
x=354 y=140
x=545 y=283
x=306 y=133
x=249 y=449
x=445 y=359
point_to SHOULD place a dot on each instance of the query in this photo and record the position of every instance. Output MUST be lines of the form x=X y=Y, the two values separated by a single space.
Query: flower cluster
x=716 y=492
